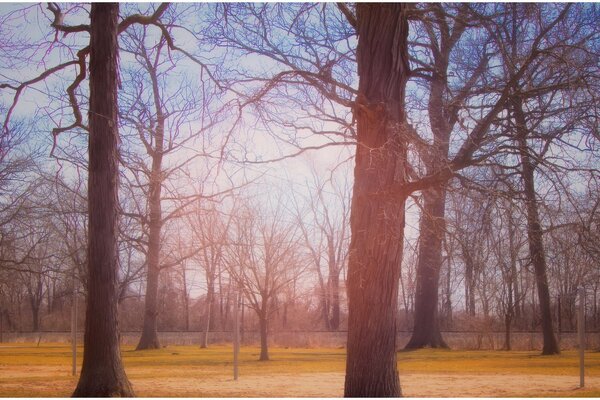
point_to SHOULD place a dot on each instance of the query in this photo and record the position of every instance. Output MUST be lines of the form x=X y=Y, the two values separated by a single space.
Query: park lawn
x=28 y=370
x=496 y=362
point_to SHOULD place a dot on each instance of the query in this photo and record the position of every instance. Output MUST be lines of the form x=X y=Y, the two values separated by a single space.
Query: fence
x=456 y=340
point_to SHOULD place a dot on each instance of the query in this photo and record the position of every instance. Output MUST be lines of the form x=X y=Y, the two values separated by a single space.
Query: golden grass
x=496 y=362
x=27 y=370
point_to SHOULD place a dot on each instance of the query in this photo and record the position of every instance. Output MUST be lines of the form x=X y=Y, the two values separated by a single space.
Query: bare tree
x=264 y=257
x=537 y=117
x=326 y=236
x=159 y=110
x=443 y=28
x=210 y=227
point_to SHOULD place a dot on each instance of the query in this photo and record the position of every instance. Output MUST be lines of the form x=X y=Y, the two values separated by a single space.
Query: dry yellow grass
x=187 y=371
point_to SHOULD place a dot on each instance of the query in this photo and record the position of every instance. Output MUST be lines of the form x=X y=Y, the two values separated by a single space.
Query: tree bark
x=210 y=294
x=264 y=345
x=149 y=338
x=507 y=327
x=511 y=285
x=426 y=331
x=377 y=219
x=469 y=282
x=513 y=273
x=447 y=306
x=334 y=279
x=333 y=284
x=186 y=299
x=102 y=373
x=534 y=230
x=35 y=316
x=36 y=295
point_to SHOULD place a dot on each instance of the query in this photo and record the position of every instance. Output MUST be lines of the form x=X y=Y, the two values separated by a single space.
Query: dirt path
x=331 y=385
x=37 y=381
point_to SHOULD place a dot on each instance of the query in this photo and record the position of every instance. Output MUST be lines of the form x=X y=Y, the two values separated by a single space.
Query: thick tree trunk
x=186 y=302
x=204 y=344
x=35 y=295
x=334 y=322
x=469 y=283
x=333 y=284
x=242 y=322
x=511 y=286
x=377 y=218
x=49 y=296
x=325 y=309
x=264 y=346
x=102 y=373
x=35 y=317
x=509 y=313
x=513 y=276
x=426 y=331
x=448 y=297
x=324 y=293
x=210 y=294
x=507 y=327
x=149 y=338
x=221 y=307
x=534 y=231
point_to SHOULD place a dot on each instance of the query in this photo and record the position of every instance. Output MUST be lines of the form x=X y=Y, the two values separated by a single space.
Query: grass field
x=27 y=370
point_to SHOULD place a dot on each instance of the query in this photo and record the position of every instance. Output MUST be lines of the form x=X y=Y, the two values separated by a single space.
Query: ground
x=28 y=370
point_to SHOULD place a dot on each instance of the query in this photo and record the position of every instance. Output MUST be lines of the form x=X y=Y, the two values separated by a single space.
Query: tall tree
x=151 y=131
x=102 y=372
x=534 y=229
x=159 y=104
x=547 y=105
x=210 y=229
x=444 y=31
x=377 y=219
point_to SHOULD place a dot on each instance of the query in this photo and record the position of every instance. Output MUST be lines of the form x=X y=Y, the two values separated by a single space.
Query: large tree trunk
x=50 y=295
x=514 y=281
x=334 y=281
x=507 y=326
x=325 y=309
x=149 y=338
x=186 y=300
x=447 y=305
x=469 y=282
x=35 y=316
x=534 y=231
x=426 y=331
x=36 y=295
x=333 y=285
x=210 y=294
x=377 y=218
x=511 y=285
x=324 y=298
x=264 y=345
x=102 y=373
